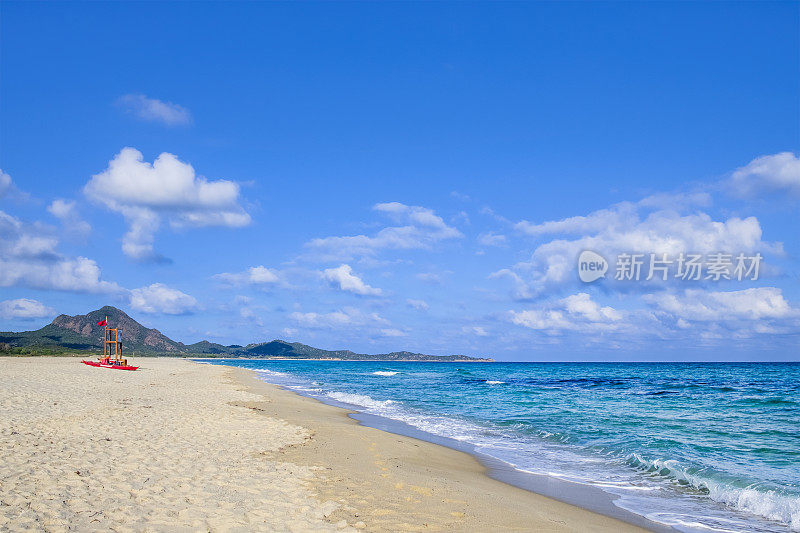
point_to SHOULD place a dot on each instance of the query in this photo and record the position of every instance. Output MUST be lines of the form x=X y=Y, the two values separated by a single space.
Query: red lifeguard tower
x=112 y=349
x=113 y=343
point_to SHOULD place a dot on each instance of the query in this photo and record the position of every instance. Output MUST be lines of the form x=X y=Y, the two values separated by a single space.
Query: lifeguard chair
x=112 y=346
x=112 y=349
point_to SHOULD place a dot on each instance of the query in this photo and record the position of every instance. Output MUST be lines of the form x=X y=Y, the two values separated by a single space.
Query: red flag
x=102 y=322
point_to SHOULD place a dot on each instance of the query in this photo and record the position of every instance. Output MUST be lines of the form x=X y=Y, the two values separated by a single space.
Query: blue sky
x=418 y=176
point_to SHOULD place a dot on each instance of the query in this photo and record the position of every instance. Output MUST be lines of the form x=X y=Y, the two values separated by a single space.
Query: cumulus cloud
x=430 y=277
x=641 y=227
x=479 y=331
x=154 y=110
x=769 y=174
x=67 y=213
x=343 y=278
x=29 y=257
x=159 y=298
x=419 y=305
x=420 y=228
x=577 y=312
x=25 y=308
x=5 y=183
x=617 y=217
x=693 y=315
x=251 y=315
x=718 y=316
x=491 y=239
x=169 y=189
x=347 y=316
x=258 y=275
x=701 y=305
x=8 y=189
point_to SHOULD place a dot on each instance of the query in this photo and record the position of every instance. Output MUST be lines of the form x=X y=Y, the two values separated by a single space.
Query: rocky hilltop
x=133 y=333
x=81 y=332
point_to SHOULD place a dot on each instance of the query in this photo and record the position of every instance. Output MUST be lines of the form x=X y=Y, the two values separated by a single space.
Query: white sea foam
x=770 y=504
x=384 y=373
x=494 y=382
x=359 y=399
x=270 y=372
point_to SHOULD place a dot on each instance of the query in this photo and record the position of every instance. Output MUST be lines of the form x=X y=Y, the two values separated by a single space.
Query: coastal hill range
x=80 y=333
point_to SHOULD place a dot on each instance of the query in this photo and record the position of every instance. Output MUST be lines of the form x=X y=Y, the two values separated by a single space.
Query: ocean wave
x=359 y=399
x=269 y=372
x=384 y=373
x=494 y=382
x=768 y=503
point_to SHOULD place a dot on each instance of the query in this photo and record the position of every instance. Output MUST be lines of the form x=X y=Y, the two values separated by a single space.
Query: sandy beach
x=183 y=446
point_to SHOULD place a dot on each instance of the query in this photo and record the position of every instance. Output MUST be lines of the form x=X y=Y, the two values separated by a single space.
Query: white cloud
x=479 y=331
x=582 y=305
x=29 y=257
x=769 y=174
x=521 y=289
x=617 y=217
x=67 y=213
x=154 y=110
x=159 y=298
x=25 y=308
x=420 y=228
x=343 y=278
x=430 y=277
x=419 y=305
x=640 y=227
x=258 y=275
x=5 y=183
x=145 y=193
x=694 y=316
x=251 y=315
x=491 y=239
x=577 y=313
x=748 y=304
x=348 y=316
x=392 y=332
x=8 y=189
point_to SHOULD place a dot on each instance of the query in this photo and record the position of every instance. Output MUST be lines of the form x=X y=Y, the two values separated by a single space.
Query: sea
x=686 y=446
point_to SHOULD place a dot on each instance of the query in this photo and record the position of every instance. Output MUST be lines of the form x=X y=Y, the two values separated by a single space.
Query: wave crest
x=359 y=399
x=768 y=503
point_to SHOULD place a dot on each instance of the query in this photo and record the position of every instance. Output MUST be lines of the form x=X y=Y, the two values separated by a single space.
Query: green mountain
x=80 y=333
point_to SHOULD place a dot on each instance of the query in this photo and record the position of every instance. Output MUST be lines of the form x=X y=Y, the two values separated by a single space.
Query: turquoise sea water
x=699 y=447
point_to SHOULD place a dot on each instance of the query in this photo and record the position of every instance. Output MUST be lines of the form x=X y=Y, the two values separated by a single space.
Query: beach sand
x=183 y=446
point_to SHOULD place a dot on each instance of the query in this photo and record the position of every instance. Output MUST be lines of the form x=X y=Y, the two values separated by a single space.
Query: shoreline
x=491 y=494
x=178 y=445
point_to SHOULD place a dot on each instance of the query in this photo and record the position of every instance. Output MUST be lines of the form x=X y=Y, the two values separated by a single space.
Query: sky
x=408 y=176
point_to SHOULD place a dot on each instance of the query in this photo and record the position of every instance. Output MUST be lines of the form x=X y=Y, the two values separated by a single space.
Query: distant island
x=81 y=334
